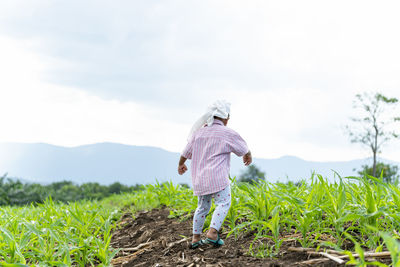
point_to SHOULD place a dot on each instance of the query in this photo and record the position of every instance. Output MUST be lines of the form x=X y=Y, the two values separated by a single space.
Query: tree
x=375 y=126
x=14 y=192
x=388 y=172
x=252 y=175
x=115 y=188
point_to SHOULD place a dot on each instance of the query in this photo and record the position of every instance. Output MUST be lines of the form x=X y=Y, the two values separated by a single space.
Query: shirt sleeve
x=237 y=145
x=187 y=152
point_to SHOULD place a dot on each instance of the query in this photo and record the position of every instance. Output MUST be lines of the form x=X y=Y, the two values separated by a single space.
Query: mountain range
x=106 y=163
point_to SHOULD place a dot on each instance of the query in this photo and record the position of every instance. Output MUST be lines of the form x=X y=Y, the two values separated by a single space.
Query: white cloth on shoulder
x=219 y=108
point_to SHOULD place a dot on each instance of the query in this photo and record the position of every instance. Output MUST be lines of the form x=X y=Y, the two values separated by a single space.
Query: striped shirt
x=209 y=149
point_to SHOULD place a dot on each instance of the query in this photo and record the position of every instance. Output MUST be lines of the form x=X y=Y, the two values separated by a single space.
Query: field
x=349 y=219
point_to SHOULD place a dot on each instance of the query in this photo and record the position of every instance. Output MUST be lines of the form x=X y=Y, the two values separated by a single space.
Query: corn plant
x=349 y=209
x=57 y=234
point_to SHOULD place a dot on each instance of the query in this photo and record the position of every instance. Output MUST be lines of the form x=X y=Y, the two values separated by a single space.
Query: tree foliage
x=386 y=171
x=375 y=126
x=252 y=174
x=14 y=192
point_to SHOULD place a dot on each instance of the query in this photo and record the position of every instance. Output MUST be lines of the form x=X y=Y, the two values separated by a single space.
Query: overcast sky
x=141 y=72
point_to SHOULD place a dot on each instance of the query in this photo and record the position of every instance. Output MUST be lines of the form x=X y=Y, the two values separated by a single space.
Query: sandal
x=216 y=243
x=196 y=244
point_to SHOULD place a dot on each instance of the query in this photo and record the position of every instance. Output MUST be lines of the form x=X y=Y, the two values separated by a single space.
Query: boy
x=209 y=148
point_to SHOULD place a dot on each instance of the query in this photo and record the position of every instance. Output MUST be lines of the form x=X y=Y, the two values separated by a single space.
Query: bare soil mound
x=153 y=239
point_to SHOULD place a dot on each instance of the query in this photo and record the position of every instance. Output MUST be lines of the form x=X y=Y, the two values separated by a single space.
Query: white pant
x=222 y=201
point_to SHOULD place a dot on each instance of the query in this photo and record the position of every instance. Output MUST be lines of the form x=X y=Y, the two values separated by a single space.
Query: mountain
x=106 y=163
x=294 y=169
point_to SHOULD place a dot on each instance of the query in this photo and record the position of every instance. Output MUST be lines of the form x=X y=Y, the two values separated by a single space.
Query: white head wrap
x=219 y=108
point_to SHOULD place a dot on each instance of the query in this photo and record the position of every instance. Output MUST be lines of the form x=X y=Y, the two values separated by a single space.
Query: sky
x=142 y=72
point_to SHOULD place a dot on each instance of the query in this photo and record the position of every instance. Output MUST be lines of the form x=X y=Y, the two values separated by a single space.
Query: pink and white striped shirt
x=210 y=149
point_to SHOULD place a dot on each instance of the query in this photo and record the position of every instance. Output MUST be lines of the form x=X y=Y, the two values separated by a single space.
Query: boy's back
x=210 y=149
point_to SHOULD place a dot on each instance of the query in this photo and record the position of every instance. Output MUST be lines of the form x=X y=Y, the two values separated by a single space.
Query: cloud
x=142 y=72
x=35 y=111
x=137 y=50
x=148 y=51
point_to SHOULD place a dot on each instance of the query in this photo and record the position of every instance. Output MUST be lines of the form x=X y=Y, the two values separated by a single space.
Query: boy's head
x=225 y=121
x=220 y=110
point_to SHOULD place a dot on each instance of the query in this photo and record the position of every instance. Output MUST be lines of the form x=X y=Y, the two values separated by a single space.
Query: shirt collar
x=216 y=121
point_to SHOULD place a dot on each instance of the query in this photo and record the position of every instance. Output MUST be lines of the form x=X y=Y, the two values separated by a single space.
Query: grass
x=57 y=234
x=351 y=214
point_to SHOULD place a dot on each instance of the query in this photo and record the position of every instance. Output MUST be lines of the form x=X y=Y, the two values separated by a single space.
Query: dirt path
x=152 y=239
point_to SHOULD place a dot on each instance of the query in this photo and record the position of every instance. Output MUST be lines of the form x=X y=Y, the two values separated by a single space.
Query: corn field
x=52 y=234
x=349 y=215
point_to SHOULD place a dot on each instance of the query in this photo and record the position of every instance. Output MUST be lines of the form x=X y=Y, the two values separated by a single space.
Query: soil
x=153 y=239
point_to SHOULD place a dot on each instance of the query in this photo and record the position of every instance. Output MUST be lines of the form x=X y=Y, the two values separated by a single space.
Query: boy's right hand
x=182 y=169
x=247 y=159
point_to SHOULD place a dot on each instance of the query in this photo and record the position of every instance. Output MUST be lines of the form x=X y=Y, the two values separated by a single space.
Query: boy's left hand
x=182 y=169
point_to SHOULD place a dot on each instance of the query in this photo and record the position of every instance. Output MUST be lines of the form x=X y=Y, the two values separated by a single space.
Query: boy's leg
x=222 y=203
x=203 y=207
